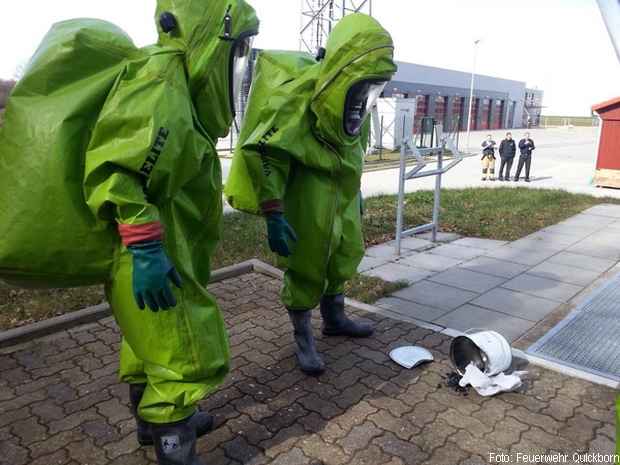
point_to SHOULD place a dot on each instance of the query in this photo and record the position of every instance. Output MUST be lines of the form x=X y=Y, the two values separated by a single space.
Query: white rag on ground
x=490 y=385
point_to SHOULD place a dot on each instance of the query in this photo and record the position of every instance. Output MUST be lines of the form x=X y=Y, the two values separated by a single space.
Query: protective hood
x=359 y=49
x=209 y=32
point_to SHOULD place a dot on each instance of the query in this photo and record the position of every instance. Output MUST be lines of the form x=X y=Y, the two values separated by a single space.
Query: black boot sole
x=146 y=440
x=337 y=332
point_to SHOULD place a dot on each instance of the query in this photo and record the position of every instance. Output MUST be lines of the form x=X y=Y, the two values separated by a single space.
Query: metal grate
x=589 y=338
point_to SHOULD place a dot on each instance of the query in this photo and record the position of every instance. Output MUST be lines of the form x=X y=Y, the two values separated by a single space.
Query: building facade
x=444 y=94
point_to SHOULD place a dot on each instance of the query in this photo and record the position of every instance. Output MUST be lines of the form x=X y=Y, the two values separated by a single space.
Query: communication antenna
x=318 y=17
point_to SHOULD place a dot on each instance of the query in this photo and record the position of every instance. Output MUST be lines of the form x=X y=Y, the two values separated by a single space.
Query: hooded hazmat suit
x=131 y=153
x=296 y=156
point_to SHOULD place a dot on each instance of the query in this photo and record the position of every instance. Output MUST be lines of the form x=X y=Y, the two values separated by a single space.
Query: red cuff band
x=272 y=206
x=135 y=233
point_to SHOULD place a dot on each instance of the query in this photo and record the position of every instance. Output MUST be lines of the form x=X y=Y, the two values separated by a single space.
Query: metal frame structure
x=425 y=156
x=318 y=17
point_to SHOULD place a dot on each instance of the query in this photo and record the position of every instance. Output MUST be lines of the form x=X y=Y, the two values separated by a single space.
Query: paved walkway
x=60 y=402
x=508 y=287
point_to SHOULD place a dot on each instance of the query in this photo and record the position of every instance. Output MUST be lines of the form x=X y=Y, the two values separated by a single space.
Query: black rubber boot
x=309 y=359
x=143 y=430
x=175 y=443
x=336 y=322
x=202 y=421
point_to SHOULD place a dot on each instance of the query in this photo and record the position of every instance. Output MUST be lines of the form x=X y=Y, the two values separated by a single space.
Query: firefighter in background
x=488 y=159
x=299 y=163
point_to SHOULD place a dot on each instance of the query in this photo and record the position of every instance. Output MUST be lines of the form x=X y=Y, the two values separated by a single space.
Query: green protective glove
x=151 y=270
x=280 y=234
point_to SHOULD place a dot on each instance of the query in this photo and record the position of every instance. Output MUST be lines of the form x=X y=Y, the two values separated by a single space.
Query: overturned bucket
x=488 y=350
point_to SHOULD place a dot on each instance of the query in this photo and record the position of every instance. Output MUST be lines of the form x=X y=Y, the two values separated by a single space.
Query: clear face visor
x=361 y=98
x=241 y=60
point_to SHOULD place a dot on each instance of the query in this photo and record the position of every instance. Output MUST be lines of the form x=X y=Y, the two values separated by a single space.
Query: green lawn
x=502 y=213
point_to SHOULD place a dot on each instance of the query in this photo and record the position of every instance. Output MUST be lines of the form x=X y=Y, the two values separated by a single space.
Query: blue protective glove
x=280 y=234
x=151 y=270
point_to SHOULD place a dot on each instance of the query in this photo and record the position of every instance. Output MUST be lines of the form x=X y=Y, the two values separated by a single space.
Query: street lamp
x=471 y=92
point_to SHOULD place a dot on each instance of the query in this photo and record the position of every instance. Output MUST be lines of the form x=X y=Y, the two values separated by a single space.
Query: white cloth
x=490 y=385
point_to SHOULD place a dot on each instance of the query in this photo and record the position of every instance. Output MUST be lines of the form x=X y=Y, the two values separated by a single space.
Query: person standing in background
x=488 y=159
x=507 y=152
x=526 y=147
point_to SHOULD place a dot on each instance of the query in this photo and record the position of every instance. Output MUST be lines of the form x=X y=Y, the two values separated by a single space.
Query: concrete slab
x=607 y=209
x=586 y=220
x=564 y=273
x=517 y=304
x=521 y=256
x=457 y=251
x=606 y=238
x=582 y=261
x=572 y=230
x=467 y=280
x=470 y=316
x=414 y=243
x=368 y=263
x=384 y=251
x=431 y=262
x=441 y=236
x=542 y=287
x=411 y=309
x=536 y=244
x=436 y=295
x=553 y=240
x=495 y=267
x=394 y=272
x=484 y=244
x=592 y=249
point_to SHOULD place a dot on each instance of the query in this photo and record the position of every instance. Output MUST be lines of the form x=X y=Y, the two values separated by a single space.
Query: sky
x=559 y=46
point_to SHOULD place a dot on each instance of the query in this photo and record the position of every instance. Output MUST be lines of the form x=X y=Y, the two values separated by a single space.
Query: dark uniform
x=526 y=146
x=507 y=152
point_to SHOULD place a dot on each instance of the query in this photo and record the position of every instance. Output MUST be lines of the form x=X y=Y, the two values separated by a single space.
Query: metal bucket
x=488 y=350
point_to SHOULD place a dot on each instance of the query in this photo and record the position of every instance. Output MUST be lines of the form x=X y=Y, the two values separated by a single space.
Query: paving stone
x=518 y=304
x=582 y=261
x=436 y=295
x=363 y=410
x=368 y=263
x=564 y=273
x=411 y=309
x=394 y=272
x=485 y=244
x=495 y=267
x=429 y=261
x=470 y=316
x=523 y=257
x=467 y=280
x=458 y=252
x=542 y=287
x=359 y=437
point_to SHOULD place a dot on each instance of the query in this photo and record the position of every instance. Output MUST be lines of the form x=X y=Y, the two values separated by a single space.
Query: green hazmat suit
x=102 y=137
x=295 y=156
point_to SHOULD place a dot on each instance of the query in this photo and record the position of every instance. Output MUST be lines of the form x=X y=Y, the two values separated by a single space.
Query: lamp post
x=471 y=92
